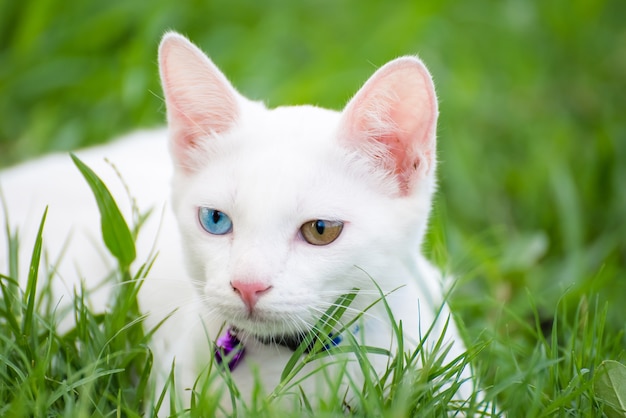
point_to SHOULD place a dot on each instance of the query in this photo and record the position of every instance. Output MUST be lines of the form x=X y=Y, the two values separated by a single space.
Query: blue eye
x=214 y=222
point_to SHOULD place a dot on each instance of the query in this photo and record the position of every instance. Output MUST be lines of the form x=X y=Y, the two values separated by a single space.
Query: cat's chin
x=291 y=341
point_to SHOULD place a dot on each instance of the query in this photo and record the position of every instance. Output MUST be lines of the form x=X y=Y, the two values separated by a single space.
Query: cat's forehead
x=292 y=146
x=286 y=163
x=290 y=125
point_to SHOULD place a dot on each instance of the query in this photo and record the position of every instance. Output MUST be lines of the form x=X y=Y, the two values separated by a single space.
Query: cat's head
x=282 y=210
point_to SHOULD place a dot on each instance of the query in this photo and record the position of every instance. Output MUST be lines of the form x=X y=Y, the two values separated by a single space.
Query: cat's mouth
x=288 y=329
x=264 y=327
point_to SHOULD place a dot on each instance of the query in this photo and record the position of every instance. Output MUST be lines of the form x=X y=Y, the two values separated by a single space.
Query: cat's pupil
x=320 y=226
x=216 y=215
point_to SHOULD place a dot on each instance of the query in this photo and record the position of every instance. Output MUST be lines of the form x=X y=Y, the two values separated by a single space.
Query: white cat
x=273 y=214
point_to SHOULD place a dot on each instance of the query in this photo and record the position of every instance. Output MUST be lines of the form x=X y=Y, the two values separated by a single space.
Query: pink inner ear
x=199 y=99
x=393 y=120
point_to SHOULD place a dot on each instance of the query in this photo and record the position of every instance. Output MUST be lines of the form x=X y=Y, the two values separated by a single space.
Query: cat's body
x=250 y=185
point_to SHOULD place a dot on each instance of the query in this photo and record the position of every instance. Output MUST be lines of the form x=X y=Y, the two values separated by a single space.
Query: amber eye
x=321 y=232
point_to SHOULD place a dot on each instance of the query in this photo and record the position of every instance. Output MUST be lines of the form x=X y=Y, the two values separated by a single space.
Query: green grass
x=532 y=144
x=102 y=365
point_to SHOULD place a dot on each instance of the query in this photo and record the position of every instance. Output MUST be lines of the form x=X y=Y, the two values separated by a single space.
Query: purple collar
x=229 y=348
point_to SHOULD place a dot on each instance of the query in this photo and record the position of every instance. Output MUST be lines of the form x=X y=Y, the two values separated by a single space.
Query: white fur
x=270 y=171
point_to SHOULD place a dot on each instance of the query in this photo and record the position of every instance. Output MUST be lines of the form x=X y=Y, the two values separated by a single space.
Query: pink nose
x=249 y=292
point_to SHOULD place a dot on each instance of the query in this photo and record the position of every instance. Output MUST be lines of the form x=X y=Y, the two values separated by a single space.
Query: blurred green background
x=532 y=133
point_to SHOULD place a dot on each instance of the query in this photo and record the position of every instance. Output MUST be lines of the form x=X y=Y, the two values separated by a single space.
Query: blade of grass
x=30 y=295
x=115 y=232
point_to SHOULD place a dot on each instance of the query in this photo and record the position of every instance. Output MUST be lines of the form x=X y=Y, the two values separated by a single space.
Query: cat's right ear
x=201 y=103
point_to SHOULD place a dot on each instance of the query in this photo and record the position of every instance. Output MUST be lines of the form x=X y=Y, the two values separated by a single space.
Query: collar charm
x=228 y=347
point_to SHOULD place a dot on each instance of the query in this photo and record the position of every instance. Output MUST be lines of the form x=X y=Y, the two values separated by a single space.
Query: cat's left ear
x=393 y=118
x=201 y=103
